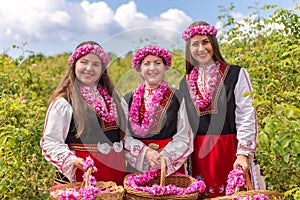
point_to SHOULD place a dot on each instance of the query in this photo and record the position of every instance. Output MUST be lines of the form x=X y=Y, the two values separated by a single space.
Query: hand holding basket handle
x=87 y=179
x=248 y=184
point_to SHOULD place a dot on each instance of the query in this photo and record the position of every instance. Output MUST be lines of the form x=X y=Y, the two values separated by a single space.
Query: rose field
x=271 y=56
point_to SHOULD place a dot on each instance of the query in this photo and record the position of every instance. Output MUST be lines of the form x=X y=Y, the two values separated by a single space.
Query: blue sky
x=55 y=26
x=196 y=9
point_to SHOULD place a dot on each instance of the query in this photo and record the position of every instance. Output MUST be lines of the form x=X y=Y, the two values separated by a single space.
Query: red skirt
x=212 y=160
x=111 y=166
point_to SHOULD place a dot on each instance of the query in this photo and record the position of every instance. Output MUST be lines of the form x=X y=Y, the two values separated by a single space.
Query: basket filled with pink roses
x=89 y=188
x=155 y=185
x=239 y=187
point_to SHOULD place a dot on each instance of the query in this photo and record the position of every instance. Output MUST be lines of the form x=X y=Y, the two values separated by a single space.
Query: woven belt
x=84 y=147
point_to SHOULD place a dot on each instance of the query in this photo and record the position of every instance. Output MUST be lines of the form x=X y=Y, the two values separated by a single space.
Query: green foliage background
x=270 y=56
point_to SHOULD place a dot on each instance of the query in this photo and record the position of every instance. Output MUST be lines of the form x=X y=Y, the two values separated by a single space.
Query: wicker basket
x=179 y=180
x=116 y=192
x=274 y=195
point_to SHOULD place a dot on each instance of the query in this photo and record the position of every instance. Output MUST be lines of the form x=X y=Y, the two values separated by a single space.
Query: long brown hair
x=190 y=62
x=68 y=88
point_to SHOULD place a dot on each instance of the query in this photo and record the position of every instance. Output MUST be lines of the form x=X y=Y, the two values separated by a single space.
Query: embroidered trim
x=161 y=112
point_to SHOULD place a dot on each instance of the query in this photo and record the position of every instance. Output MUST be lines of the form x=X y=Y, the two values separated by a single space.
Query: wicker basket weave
x=274 y=195
x=116 y=192
x=179 y=180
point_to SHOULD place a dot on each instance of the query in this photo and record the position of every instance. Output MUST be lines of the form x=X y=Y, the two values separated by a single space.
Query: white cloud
x=128 y=17
x=31 y=19
x=60 y=18
x=54 y=26
x=173 y=19
x=97 y=15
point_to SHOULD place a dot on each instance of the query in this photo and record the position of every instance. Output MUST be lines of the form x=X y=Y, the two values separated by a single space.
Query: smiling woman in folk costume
x=221 y=116
x=82 y=120
x=157 y=120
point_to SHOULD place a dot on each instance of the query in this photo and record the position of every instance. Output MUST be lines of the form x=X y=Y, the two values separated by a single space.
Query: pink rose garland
x=199 y=30
x=89 y=48
x=108 y=110
x=151 y=50
x=204 y=100
x=142 y=128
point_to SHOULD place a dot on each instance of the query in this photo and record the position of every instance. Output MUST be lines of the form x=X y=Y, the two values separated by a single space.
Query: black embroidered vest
x=222 y=119
x=94 y=132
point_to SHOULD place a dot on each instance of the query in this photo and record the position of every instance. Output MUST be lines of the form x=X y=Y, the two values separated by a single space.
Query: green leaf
x=289 y=113
x=296 y=147
x=297 y=161
x=286 y=158
x=285 y=143
x=263 y=138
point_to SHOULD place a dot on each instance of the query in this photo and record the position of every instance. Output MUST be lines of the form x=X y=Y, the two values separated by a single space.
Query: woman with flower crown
x=221 y=115
x=157 y=119
x=82 y=120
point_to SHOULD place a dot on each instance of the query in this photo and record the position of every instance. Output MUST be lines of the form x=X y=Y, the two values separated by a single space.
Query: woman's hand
x=153 y=158
x=79 y=163
x=243 y=161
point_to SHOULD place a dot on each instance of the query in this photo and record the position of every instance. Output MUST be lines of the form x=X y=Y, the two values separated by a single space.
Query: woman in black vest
x=221 y=116
x=84 y=118
x=157 y=121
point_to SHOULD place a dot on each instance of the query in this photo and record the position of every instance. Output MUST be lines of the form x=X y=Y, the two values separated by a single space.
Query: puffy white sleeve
x=181 y=146
x=246 y=122
x=135 y=150
x=56 y=128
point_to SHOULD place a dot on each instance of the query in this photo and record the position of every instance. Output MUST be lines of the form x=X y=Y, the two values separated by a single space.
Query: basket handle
x=163 y=171
x=87 y=179
x=248 y=184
